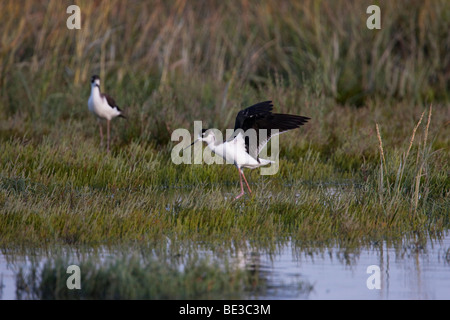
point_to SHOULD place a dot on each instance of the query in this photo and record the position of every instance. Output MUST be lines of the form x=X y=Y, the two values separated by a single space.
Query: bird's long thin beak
x=191 y=144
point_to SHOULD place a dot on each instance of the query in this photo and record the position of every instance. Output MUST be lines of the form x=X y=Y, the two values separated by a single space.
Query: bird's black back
x=260 y=116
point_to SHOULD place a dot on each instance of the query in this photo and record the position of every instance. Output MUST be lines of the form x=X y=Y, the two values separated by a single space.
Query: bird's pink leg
x=108 y=125
x=245 y=181
x=242 y=187
x=101 y=133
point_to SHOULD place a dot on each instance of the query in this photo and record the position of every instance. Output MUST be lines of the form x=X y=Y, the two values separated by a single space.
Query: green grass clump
x=363 y=167
x=131 y=277
x=66 y=192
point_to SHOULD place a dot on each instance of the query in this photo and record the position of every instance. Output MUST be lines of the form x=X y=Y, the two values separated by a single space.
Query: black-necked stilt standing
x=239 y=149
x=104 y=107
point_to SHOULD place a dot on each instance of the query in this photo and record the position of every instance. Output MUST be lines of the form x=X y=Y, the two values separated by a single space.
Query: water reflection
x=283 y=269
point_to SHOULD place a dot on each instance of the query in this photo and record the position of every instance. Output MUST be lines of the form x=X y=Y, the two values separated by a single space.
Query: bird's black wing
x=246 y=118
x=260 y=116
x=112 y=103
x=273 y=124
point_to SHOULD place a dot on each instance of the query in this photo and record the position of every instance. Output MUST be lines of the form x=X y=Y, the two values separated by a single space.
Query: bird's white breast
x=100 y=107
x=234 y=151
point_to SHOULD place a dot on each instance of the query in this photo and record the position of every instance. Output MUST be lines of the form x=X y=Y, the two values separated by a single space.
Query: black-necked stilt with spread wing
x=240 y=149
x=104 y=107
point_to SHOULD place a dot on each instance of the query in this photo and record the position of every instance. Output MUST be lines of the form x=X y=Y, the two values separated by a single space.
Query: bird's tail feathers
x=265 y=161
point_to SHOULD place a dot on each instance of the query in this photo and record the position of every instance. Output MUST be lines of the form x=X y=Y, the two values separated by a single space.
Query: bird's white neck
x=211 y=142
x=95 y=90
x=211 y=145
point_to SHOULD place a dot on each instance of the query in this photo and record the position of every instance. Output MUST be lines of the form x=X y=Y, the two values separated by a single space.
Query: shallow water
x=406 y=272
x=408 y=269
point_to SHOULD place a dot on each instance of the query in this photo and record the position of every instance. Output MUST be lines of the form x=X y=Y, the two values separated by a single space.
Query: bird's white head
x=207 y=135
x=95 y=81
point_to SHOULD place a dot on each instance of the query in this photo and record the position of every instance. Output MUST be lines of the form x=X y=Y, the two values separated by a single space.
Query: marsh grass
x=60 y=190
x=170 y=63
x=412 y=176
x=132 y=277
x=66 y=199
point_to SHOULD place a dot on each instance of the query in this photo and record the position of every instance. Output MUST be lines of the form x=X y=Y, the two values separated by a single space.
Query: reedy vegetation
x=170 y=63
